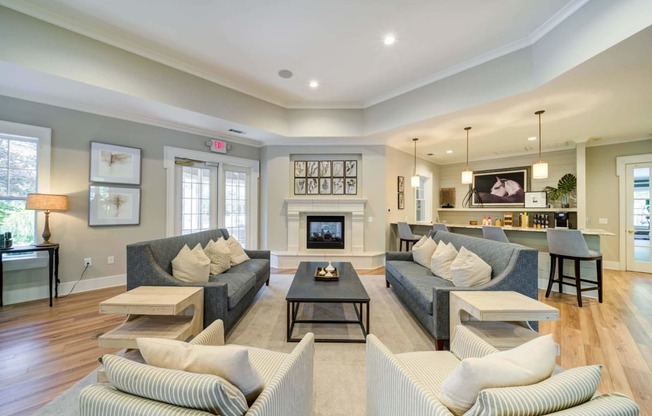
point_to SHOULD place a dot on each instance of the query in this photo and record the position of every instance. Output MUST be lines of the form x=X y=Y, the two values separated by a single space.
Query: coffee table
x=172 y=312
x=348 y=289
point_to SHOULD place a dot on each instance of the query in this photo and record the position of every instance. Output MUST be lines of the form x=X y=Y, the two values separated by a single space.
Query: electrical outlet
x=88 y=262
x=603 y=221
x=371 y=219
x=110 y=260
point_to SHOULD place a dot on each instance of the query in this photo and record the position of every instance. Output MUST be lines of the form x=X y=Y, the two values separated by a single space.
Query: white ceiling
x=243 y=44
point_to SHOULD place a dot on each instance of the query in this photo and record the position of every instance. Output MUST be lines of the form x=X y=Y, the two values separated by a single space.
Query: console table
x=53 y=263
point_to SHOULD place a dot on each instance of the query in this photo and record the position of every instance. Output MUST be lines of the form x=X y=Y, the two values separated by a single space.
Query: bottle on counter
x=484 y=220
x=489 y=222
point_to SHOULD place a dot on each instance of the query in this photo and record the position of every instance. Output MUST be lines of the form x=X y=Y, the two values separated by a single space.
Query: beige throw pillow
x=420 y=242
x=423 y=253
x=191 y=266
x=521 y=366
x=219 y=254
x=231 y=362
x=441 y=260
x=237 y=252
x=468 y=269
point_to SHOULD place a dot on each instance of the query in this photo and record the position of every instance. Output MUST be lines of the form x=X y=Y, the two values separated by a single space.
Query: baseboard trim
x=42 y=292
x=611 y=265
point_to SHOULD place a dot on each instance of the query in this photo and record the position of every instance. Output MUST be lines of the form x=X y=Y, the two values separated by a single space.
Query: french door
x=196 y=197
x=639 y=251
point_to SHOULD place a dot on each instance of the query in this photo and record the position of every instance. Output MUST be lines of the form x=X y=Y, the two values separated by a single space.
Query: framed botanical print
x=351 y=186
x=401 y=184
x=299 y=186
x=325 y=169
x=312 y=168
x=351 y=168
x=113 y=205
x=325 y=186
x=338 y=186
x=312 y=186
x=401 y=200
x=300 y=169
x=111 y=163
x=338 y=168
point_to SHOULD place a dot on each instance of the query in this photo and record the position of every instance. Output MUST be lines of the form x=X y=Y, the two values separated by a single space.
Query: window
x=196 y=197
x=235 y=203
x=423 y=200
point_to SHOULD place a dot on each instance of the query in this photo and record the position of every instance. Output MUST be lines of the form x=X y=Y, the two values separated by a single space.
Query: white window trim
x=44 y=136
x=428 y=196
x=170 y=154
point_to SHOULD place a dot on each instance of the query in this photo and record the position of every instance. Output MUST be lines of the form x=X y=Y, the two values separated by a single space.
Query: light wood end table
x=172 y=312
x=500 y=318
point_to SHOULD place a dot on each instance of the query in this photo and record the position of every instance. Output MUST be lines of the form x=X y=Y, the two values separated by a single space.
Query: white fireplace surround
x=352 y=209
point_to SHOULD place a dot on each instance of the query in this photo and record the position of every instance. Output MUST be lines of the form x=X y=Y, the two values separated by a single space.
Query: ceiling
x=243 y=45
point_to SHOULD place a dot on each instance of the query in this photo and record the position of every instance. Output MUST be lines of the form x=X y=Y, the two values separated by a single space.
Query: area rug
x=339 y=368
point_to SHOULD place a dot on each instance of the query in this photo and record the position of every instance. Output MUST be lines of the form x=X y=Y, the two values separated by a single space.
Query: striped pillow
x=562 y=391
x=197 y=391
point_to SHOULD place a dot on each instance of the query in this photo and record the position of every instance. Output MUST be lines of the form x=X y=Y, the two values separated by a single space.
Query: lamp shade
x=415 y=181
x=540 y=170
x=467 y=177
x=47 y=202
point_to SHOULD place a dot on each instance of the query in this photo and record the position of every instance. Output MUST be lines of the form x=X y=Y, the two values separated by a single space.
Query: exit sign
x=218 y=146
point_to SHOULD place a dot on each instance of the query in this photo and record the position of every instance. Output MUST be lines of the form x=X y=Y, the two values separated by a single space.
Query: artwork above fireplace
x=325 y=232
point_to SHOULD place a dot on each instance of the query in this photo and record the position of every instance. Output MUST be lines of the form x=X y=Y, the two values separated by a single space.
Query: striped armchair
x=288 y=385
x=409 y=383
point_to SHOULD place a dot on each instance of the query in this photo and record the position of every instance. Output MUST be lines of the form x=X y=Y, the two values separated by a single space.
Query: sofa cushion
x=231 y=362
x=197 y=391
x=219 y=254
x=237 y=253
x=191 y=266
x=418 y=282
x=468 y=270
x=441 y=260
x=567 y=389
x=238 y=284
x=430 y=368
x=259 y=267
x=423 y=253
x=513 y=367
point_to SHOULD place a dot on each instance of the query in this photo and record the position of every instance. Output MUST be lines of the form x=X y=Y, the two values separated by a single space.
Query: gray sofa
x=514 y=267
x=226 y=296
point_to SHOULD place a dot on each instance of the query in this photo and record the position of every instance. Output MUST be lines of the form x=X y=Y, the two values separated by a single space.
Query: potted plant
x=566 y=185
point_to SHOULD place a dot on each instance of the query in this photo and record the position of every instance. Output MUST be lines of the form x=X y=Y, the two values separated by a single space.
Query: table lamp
x=47 y=203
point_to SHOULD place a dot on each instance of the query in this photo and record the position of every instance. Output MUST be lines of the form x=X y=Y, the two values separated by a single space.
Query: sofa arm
x=101 y=400
x=605 y=405
x=290 y=391
x=466 y=344
x=398 y=255
x=258 y=254
x=392 y=389
x=212 y=335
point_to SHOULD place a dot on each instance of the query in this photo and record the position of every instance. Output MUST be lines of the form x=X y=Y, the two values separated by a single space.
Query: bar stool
x=405 y=234
x=570 y=244
x=495 y=233
x=439 y=227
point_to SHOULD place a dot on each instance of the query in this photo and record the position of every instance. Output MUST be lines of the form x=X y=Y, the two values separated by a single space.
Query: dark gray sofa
x=226 y=296
x=514 y=267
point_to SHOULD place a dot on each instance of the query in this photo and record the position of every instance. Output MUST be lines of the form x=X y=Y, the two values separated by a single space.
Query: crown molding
x=556 y=19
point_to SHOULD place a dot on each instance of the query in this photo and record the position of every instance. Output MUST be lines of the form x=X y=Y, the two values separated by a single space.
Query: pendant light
x=540 y=169
x=467 y=175
x=415 y=181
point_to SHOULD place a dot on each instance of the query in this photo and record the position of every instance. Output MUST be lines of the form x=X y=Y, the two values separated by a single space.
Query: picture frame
x=401 y=184
x=351 y=168
x=300 y=169
x=110 y=163
x=113 y=205
x=338 y=186
x=500 y=187
x=324 y=186
x=351 y=186
x=338 y=168
x=401 y=200
x=312 y=168
x=299 y=186
x=312 y=186
x=536 y=199
x=325 y=169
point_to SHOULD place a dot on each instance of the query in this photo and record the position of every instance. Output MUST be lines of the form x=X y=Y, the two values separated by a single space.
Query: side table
x=500 y=318
x=53 y=263
x=172 y=312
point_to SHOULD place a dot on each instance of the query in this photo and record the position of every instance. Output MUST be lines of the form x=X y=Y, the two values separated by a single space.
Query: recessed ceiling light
x=533 y=138
x=449 y=151
x=285 y=73
x=389 y=39
x=314 y=84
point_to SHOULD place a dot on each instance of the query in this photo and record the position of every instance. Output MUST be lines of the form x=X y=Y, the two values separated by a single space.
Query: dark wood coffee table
x=348 y=289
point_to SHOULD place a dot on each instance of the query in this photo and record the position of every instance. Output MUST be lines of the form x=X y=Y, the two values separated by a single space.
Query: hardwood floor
x=43 y=350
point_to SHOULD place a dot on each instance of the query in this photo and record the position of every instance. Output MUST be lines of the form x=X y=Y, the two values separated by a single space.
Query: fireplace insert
x=325 y=231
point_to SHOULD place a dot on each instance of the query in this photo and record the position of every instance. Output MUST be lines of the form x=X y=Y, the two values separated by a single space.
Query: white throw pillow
x=191 y=265
x=237 y=253
x=423 y=253
x=420 y=242
x=442 y=258
x=469 y=270
x=231 y=362
x=219 y=254
x=521 y=366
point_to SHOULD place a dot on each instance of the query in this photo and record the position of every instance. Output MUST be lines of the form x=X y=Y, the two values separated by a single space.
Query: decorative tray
x=335 y=275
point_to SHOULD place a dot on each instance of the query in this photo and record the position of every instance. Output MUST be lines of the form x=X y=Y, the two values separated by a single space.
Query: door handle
x=630 y=231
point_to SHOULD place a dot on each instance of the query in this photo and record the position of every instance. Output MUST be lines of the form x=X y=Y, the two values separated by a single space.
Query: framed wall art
x=113 y=205
x=351 y=168
x=325 y=169
x=312 y=168
x=401 y=184
x=351 y=186
x=338 y=168
x=500 y=187
x=300 y=169
x=327 y=177
x=338 y=186
x=312 y=186
x=324 y=186
x=115 y=164
x=536 y=199
x=299 y=186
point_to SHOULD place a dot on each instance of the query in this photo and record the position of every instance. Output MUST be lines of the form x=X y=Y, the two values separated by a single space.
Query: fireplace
x=325 y=231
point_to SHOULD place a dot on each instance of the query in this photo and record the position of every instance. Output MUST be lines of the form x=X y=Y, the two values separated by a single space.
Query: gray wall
x=72 y=132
